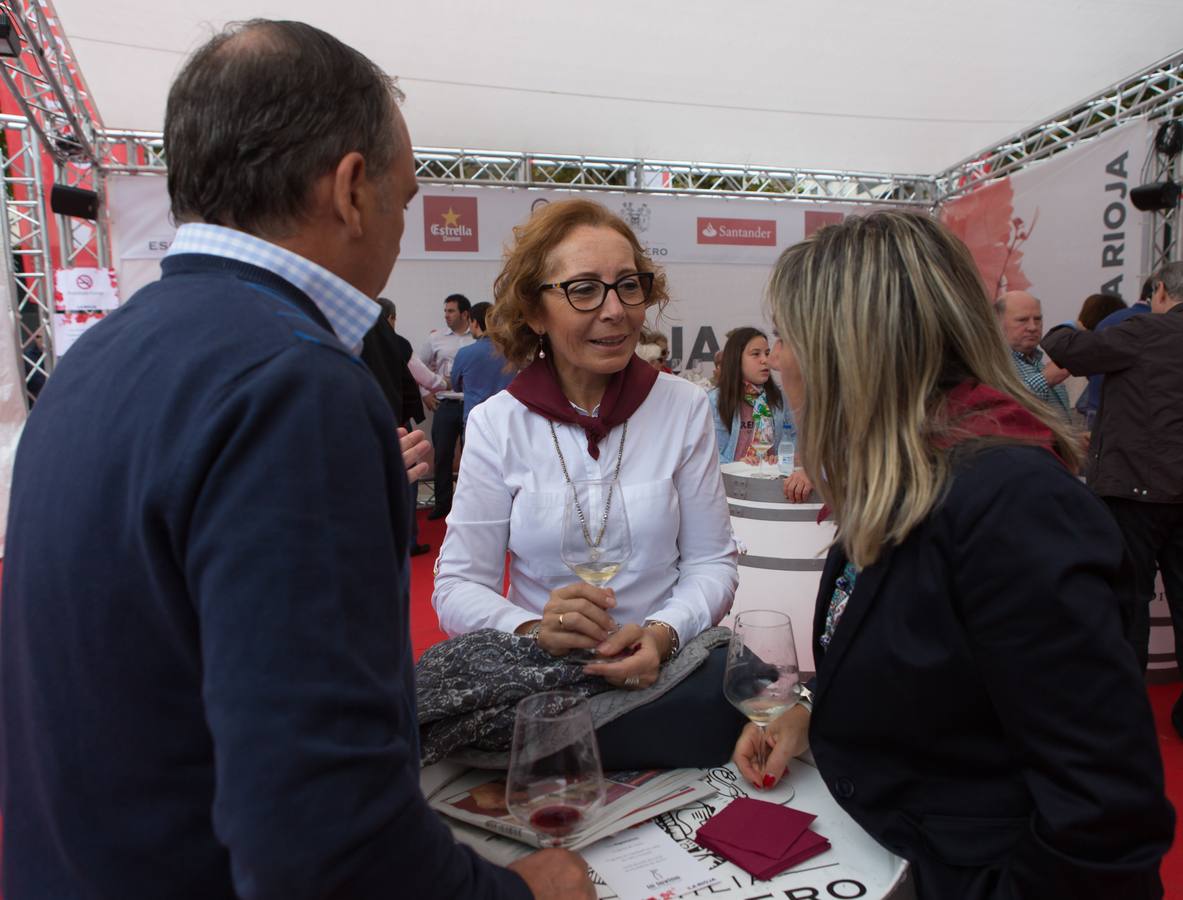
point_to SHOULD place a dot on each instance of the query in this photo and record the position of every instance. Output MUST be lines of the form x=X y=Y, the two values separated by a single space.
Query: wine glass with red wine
x=555 y=784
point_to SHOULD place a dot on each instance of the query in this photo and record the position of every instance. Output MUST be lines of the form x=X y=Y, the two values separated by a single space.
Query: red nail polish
x=769 y=781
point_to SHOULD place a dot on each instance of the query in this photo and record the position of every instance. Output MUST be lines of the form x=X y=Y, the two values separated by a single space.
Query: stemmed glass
x=596 y=542
x=761 y=679
x=555 y=783
x=763 y=435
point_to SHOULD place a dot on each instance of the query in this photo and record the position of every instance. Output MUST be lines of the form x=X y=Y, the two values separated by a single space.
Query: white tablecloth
x=854 y=866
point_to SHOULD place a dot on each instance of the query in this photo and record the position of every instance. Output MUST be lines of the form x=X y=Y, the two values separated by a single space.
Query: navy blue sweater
x=206 y=681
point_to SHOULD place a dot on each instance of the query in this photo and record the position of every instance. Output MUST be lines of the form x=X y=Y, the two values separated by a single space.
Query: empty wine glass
x=596 y=542
x=555 y=784
x=761 y=679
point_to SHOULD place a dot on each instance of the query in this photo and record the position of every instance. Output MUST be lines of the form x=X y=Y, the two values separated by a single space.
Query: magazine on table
x=478 y=798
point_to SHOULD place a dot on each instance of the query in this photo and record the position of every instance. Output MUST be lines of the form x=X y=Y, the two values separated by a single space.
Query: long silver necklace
x=595 y=545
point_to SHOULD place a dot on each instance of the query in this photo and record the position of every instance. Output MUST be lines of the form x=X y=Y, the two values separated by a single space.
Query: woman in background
x=745 y=397
x=976 y=709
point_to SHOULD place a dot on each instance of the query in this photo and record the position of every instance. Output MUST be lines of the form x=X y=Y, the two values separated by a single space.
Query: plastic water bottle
x=786 y=452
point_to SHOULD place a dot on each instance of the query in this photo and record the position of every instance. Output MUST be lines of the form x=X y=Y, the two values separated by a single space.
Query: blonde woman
x=976 y=707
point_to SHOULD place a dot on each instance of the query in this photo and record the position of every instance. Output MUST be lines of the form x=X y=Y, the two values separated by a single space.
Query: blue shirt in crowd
x=479 y=371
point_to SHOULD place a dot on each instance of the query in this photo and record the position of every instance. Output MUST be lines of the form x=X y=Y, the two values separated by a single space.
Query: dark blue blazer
x=978 y=710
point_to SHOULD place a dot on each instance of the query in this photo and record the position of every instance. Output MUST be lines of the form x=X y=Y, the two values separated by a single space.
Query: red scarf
x=537 y=388
x=973 y=409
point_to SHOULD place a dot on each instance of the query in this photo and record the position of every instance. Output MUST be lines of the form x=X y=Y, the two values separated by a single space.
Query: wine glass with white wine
x=596 y=541
x=763 y=435
x=762 y=679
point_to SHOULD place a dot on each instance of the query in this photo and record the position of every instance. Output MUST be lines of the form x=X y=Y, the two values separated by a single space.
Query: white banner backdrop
x=717 y=251
x=1064 y=228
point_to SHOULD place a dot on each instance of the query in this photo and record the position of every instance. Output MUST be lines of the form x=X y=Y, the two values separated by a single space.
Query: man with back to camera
x=206 y=684
x=1136 y=452
x=439 y=353
x=1020 y=316
x=480 y=371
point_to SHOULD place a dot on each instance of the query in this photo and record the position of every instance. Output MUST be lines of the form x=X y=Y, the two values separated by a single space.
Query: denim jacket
x=727 y=441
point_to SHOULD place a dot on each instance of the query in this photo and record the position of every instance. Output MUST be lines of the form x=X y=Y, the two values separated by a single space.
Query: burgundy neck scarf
x=975 y=410
x=537 y=388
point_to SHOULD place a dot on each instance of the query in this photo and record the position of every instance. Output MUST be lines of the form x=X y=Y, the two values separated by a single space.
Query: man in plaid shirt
x=1021 y=318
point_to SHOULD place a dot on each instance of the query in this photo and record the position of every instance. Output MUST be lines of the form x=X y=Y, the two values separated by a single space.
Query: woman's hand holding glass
x=576 y=617
x=785 y=737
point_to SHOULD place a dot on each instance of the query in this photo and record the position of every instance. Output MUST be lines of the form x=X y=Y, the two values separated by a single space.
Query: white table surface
x=854 y=866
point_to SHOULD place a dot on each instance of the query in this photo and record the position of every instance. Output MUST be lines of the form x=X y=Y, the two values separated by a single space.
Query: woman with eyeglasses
x=976 y=708
x=570 y=304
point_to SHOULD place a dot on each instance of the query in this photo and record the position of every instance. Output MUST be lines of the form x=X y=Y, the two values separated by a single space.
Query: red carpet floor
x=425 y=632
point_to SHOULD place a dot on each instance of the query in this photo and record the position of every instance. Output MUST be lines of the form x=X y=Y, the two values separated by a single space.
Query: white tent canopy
x=905 y=86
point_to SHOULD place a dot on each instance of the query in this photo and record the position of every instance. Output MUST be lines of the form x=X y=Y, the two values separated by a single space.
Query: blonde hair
x=886 y=313
x=516 y=292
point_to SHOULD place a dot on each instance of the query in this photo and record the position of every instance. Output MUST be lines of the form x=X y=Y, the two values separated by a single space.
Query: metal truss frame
x=1155 y=92
x=24 y=238
x=436 y=165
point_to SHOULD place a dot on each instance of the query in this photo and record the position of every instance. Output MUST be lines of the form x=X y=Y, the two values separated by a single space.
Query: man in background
x=480 y=371
x=1021 y=317
x=397 y=370
x=439 y=353
x=206 y=675
x=1136 y=453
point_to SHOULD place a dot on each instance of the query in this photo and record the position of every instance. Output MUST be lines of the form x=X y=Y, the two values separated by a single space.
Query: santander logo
x=737 y=232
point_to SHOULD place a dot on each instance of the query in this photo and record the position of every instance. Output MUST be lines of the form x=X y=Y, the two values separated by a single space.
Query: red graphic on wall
x=985 y=220
x=815 y=220
x=450 y=224
x=737 y=232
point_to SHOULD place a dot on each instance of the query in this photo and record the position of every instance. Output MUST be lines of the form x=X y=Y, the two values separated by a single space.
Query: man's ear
x=349 y=186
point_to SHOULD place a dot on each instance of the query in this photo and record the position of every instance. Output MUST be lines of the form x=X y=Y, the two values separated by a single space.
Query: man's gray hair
x=1171 y=276
x=260 y=112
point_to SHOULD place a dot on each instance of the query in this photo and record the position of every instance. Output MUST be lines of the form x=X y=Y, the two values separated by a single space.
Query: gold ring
x=561 y=625
x=633 y=681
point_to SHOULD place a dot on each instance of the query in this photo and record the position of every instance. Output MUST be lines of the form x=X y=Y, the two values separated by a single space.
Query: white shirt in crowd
x=429 y=382
x=511 y=494
x=439 y=352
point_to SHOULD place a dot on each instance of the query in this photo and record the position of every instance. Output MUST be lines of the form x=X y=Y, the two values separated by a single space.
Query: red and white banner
x=1063 y=228
x=471 y=223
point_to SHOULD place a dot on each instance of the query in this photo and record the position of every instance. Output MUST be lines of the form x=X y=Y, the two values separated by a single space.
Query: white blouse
x=510 y=497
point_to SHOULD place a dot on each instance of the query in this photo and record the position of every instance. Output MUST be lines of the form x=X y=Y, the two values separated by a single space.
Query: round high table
x=782 y=551
x=854 y=866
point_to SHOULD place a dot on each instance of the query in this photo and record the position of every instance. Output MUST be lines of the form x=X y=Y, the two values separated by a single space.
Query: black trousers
x=692 y=725
x=445 y=433
x=1153 y=534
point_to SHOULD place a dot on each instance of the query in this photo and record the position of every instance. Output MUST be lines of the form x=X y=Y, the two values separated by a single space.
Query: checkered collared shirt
x=350 y=312
x=1030 y=369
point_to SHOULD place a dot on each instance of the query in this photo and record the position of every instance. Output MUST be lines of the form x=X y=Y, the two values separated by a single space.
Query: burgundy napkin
x=760 y=837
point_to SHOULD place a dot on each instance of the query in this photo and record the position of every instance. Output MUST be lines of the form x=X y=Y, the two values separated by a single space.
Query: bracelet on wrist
x=675 y=642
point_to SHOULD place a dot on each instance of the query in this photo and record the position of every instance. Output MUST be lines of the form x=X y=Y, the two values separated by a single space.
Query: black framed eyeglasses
x=588 y=294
